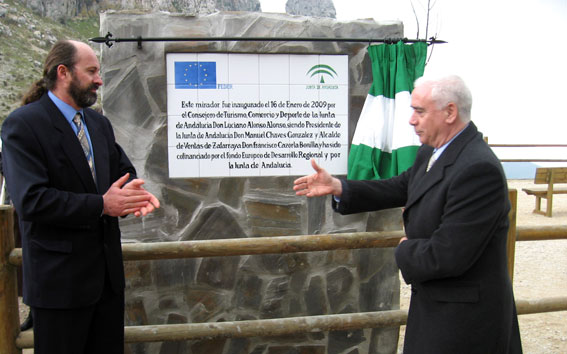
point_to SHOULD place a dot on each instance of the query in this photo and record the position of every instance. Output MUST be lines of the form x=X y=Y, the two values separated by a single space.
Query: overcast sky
x=510 y=52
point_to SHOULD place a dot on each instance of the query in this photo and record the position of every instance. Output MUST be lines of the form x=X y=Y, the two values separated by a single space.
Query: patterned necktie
x=432 y=160
x=84 y=142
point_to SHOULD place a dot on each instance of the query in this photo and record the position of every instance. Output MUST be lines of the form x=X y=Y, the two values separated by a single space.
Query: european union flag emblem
x=195 y=75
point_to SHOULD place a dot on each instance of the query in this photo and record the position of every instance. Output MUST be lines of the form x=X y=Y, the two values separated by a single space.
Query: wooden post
x=511 y=243
x=549 y=198
x=9 y=312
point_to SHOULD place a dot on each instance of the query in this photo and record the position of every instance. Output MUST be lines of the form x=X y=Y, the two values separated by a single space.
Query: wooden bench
x=549 y=176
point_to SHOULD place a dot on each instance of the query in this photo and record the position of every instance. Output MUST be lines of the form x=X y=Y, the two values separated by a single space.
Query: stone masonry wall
x=245 y=287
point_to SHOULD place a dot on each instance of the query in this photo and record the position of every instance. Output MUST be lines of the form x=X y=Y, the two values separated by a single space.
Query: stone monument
x=134 y=97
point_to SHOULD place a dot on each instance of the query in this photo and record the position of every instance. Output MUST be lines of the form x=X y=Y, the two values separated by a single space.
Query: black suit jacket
x=67 y=244
x=456 y=221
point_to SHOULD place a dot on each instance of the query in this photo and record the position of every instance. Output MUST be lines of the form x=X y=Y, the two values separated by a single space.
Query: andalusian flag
x=384 y=143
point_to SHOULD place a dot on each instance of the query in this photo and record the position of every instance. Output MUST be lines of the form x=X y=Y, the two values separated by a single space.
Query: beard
x=83 y=96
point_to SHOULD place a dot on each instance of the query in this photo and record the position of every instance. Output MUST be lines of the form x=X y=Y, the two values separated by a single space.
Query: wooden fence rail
x=287 y=244
x=288 y=326
x=250 y=246
x=531 y=146
x=11 y=341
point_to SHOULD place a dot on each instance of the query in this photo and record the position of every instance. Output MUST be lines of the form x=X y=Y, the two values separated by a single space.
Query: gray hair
x=447 y=89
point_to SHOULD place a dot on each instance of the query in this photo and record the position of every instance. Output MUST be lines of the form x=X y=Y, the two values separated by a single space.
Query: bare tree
x=428 y=10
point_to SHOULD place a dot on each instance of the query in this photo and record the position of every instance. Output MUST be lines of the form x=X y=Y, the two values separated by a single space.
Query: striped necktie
x=84 y=142
x=432 y=160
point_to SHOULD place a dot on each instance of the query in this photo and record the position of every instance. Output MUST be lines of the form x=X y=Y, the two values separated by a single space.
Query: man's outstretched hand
x=318 y=184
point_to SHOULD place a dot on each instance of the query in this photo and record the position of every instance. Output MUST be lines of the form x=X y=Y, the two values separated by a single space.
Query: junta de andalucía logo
x=322 y=70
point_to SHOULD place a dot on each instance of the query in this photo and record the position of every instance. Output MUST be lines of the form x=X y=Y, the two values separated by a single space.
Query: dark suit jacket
x=67 y=245
x=456 y=221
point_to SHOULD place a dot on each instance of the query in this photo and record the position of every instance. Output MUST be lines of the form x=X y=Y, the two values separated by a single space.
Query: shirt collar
x=437 y=152
x=67 y=111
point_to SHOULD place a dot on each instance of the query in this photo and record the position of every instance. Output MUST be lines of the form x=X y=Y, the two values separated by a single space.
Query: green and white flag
x=384 y=143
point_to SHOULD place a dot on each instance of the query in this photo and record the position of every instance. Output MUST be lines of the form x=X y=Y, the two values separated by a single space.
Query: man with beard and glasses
x=69 y=181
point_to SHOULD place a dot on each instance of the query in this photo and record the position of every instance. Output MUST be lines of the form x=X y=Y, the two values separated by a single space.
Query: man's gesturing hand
x=318 y=184
x=132 y=198
x=151 y=205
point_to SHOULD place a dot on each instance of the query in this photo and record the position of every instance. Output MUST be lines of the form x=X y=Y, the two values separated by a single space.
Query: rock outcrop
x=64 y=9
x=314 y=8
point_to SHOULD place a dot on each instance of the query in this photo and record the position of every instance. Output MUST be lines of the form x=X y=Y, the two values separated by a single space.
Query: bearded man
x=69 y=182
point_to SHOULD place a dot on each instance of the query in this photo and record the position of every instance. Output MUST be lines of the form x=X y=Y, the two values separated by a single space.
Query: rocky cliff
x=312 y=8
x=63 y=9
x=25 y=38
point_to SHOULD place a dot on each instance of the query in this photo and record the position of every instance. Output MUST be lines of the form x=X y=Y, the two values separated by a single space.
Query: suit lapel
x=69 y=144
x=424 y=181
